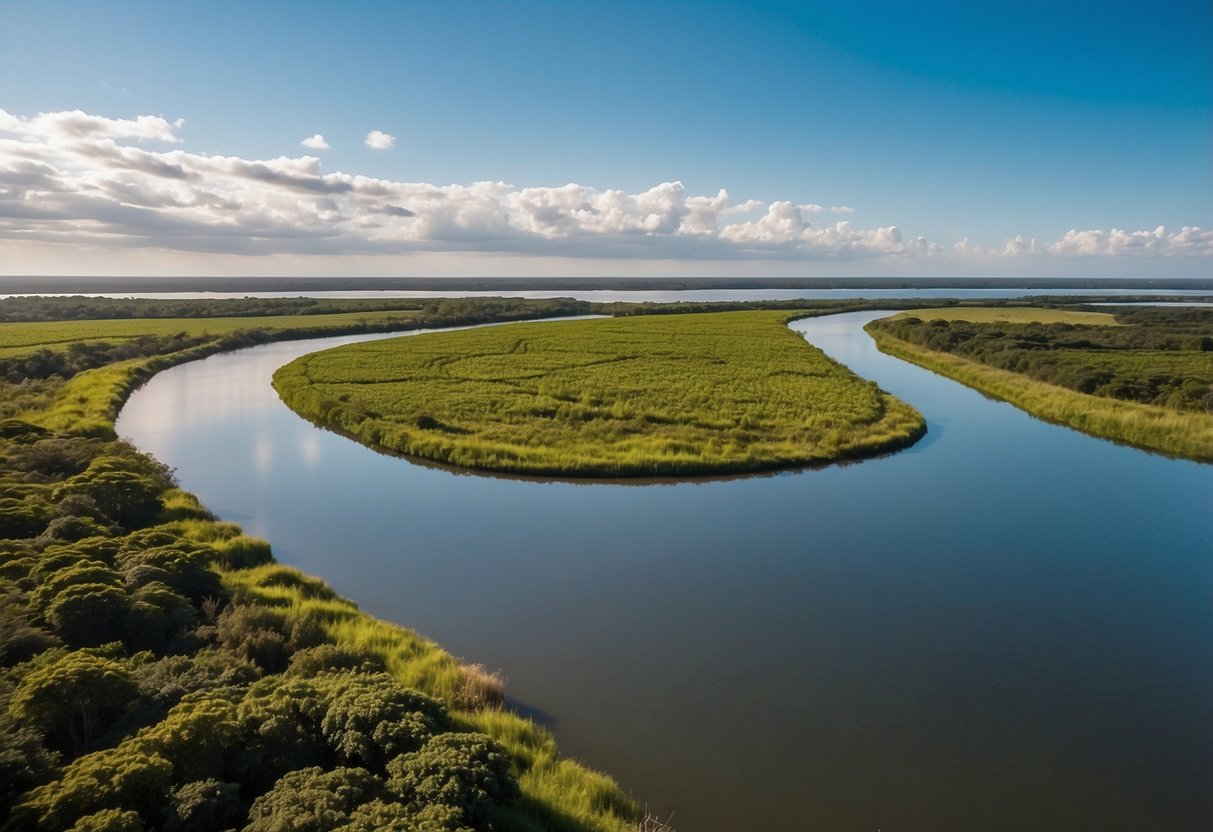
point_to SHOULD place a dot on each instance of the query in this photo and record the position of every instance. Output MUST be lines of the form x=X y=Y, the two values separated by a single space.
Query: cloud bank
x=71 y=178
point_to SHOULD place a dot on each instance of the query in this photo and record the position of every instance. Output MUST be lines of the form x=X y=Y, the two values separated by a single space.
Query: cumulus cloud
x=77 y=179
x=1118 y=242
x=378 y=140
x=315 y=142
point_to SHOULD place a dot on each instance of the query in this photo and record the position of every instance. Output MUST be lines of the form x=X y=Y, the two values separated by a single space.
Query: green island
x=658 y=395
x=1140 y=375
x=158 y=669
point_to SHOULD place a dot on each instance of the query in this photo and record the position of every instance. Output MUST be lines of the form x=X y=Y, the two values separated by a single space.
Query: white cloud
x=72 y=125
x=745 y=207
x=1118 y=243
x=378 y=140
x=70 y=177
x=842 y=209
x=76 y=180
x=315 y=142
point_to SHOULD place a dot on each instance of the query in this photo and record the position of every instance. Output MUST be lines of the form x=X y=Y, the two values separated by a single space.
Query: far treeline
x=1147 y=380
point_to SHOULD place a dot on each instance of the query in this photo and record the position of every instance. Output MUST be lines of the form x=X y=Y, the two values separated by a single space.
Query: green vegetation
x=1146 y=380
x=159 y=671
x=669 y=395
x=1013 y=315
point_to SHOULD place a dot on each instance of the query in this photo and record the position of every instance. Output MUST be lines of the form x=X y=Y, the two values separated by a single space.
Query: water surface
x=1005 y=627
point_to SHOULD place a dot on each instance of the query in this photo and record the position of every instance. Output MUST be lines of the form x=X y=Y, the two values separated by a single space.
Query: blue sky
x=984 y=122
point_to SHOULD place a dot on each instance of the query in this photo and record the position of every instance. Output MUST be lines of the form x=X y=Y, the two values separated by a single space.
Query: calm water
x=642 y=296
x=1008 y=626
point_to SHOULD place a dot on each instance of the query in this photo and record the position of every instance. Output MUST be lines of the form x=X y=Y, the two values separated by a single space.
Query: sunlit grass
x=1181 y=433
x=24 y=338
x=661 y=395
x=557 y=793
x=1012 y=315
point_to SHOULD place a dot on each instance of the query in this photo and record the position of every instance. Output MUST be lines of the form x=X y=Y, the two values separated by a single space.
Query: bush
x=371 y=719
x=73 y=699
x=110 y=820
x=242 y=552
x=468 y=772
x=312 y=800
x=204 y=806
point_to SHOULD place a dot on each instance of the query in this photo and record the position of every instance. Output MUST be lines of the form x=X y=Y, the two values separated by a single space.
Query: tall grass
x=1145 y=426
x=645 y=396
x=557 y=793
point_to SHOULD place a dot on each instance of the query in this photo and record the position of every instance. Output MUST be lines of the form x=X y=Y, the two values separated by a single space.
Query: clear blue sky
x=978 y=120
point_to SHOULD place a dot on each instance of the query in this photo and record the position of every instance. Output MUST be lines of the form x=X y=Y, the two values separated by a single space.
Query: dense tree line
x=1159 y=355
x=80 y=308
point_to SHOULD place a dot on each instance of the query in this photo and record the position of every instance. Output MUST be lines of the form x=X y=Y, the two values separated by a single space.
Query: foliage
x=685 y=394
x=1076 y=392
x=161 y=671
x=312 y=800
x=73 y=699
x=203 y=806
x=468 y=772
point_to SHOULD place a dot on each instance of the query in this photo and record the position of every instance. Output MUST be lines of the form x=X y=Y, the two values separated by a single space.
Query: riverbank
x=197 y=662
x=1150 y=427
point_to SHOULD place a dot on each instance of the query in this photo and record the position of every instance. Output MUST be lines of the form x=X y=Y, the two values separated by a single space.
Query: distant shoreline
x=61 y=284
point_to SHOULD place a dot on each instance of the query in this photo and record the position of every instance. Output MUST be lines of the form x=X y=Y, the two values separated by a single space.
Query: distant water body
x=1006 y=627
x=691 y=295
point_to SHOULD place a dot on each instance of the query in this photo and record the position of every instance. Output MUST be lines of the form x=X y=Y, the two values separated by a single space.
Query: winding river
x=1008 y=626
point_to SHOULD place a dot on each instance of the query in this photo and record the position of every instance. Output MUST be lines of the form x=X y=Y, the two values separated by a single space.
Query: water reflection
x=1005 y=626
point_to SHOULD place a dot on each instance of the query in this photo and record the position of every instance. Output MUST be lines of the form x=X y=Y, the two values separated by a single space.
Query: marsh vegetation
x=1142 y=376
x=158 y=670
x=639 y=396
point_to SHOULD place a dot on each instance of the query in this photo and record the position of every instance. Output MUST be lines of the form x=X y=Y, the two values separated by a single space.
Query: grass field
x=1012 y=315
x=1148 y=382
x=18 y=339
x=662 y=395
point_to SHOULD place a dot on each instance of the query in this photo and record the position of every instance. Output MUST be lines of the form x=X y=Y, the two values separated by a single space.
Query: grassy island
x=661 y=395
x=1142 y=376
x=160 y=671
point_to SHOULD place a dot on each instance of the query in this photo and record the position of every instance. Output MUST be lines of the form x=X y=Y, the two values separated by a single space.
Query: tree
x=204 y=806
x=469 y=772
x=124 y=778
x=312 y=800
x=73 y=699
x=86 y=615
x=371 y=719
x=110 y=820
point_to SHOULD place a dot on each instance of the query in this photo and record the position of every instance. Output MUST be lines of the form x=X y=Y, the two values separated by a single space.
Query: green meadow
x=1143 y=376
x=1012 y=315
x=660 y=395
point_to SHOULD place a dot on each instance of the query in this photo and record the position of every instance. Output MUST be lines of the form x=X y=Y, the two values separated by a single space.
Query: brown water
x=1008 y=626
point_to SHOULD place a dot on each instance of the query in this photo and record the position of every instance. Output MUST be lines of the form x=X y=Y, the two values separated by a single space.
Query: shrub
x=204 y=806
x=468 y=772
x=312 y=800
x=73 y=699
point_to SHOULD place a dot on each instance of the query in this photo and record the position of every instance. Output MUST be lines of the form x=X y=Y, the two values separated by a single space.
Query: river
x=1007 y=626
